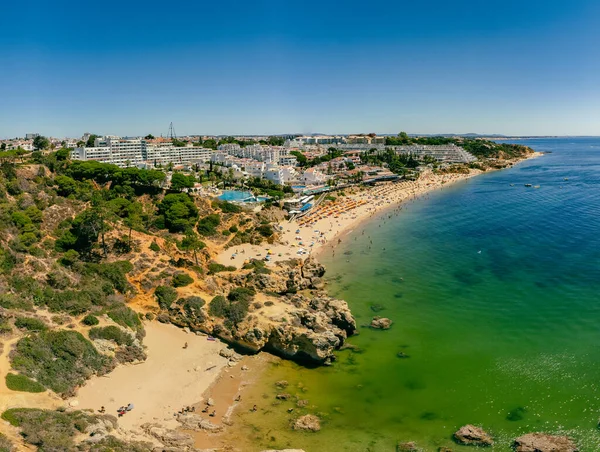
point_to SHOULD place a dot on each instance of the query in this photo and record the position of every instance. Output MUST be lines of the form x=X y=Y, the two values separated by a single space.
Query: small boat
x=536 y=186
x=512 y=185
x=566 y=178
x=528 y=185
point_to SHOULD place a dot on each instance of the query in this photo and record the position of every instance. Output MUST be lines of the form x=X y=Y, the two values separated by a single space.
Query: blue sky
x=266 y=67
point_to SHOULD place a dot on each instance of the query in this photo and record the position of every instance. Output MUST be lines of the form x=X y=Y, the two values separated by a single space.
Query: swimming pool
x=237 y=196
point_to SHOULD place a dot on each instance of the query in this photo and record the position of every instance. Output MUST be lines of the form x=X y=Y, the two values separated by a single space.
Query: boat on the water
x=528 y=185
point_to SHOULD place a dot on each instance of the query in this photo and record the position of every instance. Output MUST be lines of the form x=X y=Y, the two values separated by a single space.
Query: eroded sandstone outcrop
x=473 y=436
x=168 y=437
x=381 y=323
x=298 y=320
x=542 y=442
x=308 y=423
x=191 y=421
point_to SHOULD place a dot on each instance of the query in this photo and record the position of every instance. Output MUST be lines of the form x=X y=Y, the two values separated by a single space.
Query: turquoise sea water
x=494 y=291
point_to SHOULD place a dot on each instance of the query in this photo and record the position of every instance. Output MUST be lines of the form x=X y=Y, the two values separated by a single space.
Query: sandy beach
x=325 y=223
x=171 y=378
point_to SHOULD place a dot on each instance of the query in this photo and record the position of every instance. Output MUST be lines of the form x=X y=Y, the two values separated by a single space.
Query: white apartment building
x=312 y=176
x=99 y=153
x=165 y=153
x=288 y=160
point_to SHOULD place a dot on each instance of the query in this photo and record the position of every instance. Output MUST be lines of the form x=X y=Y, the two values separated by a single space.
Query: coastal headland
x=205 y=311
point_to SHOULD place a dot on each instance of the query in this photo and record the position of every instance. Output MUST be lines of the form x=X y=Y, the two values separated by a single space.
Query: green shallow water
x=493 y=290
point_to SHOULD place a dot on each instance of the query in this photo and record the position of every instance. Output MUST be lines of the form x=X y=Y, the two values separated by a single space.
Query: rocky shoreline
x=297 y=319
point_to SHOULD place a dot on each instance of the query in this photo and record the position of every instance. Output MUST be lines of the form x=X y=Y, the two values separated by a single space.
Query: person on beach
x=102 y=409
x=185 y=345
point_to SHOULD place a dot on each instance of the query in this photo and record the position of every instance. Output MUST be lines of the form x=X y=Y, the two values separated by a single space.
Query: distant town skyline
x=243 y=68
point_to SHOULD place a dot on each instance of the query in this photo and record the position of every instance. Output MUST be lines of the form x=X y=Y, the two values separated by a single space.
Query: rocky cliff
x=289 y=314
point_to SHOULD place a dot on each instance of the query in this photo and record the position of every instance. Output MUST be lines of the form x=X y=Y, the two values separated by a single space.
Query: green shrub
x=69 y=258
x=5 y=327
x=111 y=333
x=165 y=296
x=225 y=233
x=218 y=306
x=22 y=383
x=154 y=247
x=10 y=301
x=258 y=266
x=208 y=225
x=59 y=360
x=90 y=320
x=50 y=430
x=226 y=207
x=265 y=230
x=234 y=308
x=30 y=324
x=241 y=294
x=125 y=316
x=233 y=229
x=113 y=272
x=182 y=280
x=215 y=267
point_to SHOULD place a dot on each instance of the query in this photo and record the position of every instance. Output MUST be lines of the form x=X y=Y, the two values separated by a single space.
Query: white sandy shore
x=327 y=223
x=171 y=378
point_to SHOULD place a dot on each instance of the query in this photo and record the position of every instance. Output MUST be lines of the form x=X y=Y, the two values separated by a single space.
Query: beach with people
x=170 y=381
x=322 y=227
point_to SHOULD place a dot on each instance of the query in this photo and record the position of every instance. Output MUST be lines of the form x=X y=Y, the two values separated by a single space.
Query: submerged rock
x=407 y=447
x=541 y=442
x=381 y=323
x=308 y=422
x=473 y=436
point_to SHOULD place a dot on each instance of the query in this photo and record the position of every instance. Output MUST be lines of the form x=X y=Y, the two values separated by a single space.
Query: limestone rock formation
x=191 y=421
x=381 y=323
x=308 y=422
x=407 y=447
x=307 y=326
x=474 y=436
x=542 y=442
x=168 y=437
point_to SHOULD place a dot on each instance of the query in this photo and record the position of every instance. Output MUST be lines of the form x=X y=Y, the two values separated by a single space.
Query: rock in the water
x=444 y=449
x=301 y=403
x=475 y=436
x=407 y=447
x=308 y=422
x=381 y=323
x=281 y=384
x=541 y=442
x=283 y=396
